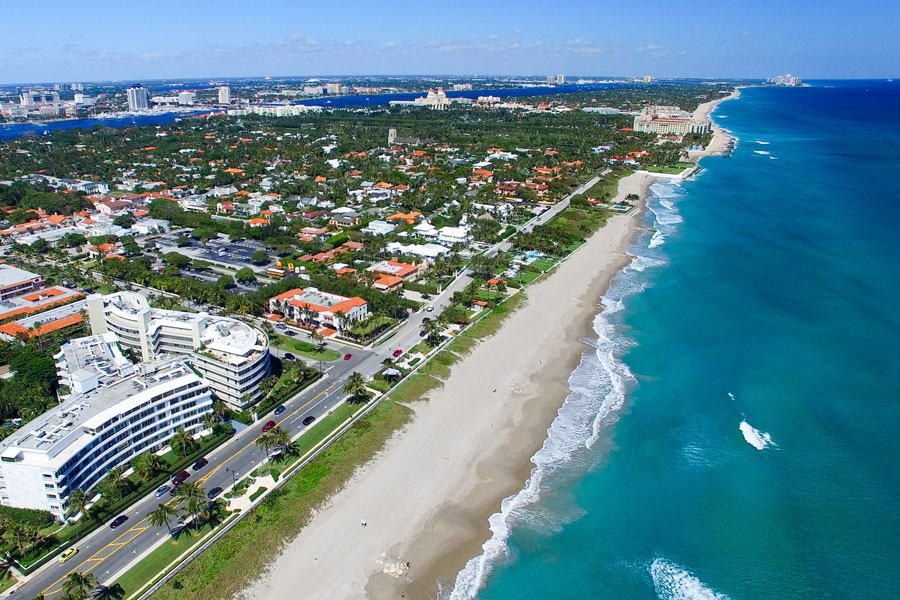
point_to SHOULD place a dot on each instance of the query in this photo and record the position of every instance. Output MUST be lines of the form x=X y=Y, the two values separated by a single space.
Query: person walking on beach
x=362 y=522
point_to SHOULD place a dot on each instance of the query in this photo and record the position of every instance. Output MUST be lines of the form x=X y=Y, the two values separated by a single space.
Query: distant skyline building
x=333 y=89
x=788 y=80
x=138 y=99
x=224 y=95
x=560 y=79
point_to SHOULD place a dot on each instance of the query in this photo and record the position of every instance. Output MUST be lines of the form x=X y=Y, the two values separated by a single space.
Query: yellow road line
x=116 y=545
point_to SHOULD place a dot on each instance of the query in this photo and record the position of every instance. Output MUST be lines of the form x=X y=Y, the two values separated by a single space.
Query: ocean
x=732 y=431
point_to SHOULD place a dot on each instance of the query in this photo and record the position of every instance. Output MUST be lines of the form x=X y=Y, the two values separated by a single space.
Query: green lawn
x=152 y=565
x=670 y=170
x=6 y=582
x=543 y=264
x=303 y=348
x=366 y=328
x=525 y=277
x=235 y=560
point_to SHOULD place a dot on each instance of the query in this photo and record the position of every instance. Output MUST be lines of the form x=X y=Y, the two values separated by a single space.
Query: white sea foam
x=673 y=582
x=763 y=152
x=598 y=391
x=756 y=438
x=773 y=158
x=658 y=239
x=762 y=142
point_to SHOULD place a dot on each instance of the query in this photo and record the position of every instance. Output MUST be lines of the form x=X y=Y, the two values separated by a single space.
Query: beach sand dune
x=427 y=497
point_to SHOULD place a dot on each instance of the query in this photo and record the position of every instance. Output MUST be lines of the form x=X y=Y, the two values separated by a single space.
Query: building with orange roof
x=388 y=283
x=319 y=309
x=405 y=271
x=257 y=222
x=409 y=217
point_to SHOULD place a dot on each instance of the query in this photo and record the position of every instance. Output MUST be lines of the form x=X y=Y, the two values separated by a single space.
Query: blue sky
x=101 y=40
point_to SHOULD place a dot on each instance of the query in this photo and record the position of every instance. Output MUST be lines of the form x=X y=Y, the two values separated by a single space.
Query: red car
x=397 y=352
x=269 y=426
x=347 y=356
x=180 y=478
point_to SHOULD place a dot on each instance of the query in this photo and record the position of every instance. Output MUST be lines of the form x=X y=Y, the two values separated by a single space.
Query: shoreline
x=723 y=141
x=428 y=495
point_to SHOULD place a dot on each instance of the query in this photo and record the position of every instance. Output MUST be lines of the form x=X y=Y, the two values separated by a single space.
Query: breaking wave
x=756 y=438
x=598 y=388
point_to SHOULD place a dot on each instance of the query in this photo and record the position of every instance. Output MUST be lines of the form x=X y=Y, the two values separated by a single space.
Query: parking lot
x=217 y=250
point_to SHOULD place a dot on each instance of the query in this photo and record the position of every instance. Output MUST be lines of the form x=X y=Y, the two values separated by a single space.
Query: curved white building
x=230 y=354
x=75 y=444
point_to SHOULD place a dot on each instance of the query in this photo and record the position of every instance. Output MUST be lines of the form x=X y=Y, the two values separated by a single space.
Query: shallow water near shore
x=730 y=433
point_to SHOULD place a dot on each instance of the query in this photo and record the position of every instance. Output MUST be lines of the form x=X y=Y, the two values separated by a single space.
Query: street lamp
x=233 y=480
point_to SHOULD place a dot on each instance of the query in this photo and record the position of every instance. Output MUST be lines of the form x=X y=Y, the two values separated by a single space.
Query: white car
x=430 y=308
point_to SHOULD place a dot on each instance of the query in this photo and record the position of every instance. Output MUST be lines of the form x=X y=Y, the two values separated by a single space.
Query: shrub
x=26 y=516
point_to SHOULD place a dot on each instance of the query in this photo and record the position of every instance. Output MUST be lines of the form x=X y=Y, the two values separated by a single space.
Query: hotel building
x=229 y=354
x=668 y=120
x=130 y=409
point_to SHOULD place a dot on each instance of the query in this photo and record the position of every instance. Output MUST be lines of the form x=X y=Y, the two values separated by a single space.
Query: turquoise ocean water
x=735 y=432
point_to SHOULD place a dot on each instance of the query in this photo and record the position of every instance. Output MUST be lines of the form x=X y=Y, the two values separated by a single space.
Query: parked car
x=280 y=326
x=118 y=521
x=430 y=308
x=426 y=296
x=180 y=478
x=426 y=320
x=348 y=356
x=67 y=555
x=289 y=356
x=397 y=352
x=308 y=420
x=200 y=464
x=213 y=493
x=162 y=490
x=280 y=409
x=268 y=426
x=290 y=333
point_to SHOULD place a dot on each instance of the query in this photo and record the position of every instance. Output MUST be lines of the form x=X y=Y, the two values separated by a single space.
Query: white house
x=378 y=228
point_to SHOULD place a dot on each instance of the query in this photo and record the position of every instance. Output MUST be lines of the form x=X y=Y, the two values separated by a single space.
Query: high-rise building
x=138 y=99
x=229 y=354
x=560 y=79
x=333 y=89
x=77 y=87
x=36 y=98
x=186 y=98
x=224 y=95
x=129 y=409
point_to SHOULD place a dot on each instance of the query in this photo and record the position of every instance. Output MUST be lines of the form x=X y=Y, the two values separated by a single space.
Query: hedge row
x=26 y=516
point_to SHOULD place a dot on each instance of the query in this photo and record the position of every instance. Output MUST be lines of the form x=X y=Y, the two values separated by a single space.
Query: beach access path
x=427 y=497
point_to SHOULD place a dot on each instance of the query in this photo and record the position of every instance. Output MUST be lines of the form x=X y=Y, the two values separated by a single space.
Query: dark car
x=280 y=409
x=179 y=479
x=213 y=493
x=289 y=356
x=426 y=296
x=269 y=426
x=290 y=333
x=200 y=464
x=347 y=356
x=426 y=319
x=308 y=420
x=118 y=521
x=280 y=326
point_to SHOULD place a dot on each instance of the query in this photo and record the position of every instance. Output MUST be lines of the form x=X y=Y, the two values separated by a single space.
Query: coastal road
x=106 y=552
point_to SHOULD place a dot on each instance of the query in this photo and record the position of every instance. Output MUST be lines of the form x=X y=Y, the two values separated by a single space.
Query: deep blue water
x=9 y=131
x=767 y=298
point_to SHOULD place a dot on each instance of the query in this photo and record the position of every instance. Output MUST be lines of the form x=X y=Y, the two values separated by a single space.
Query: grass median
x=242 y=554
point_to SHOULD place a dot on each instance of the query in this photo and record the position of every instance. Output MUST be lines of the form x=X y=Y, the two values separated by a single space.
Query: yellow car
x=67 y=555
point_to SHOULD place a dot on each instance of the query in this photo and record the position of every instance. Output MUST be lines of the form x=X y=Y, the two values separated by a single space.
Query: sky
x=100 y=40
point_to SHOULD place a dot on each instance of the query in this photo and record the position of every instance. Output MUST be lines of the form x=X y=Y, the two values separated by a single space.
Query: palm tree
x=315 y=336
x=78 y=503
x=115 y=481
x=163 y=514
x=194 y=498
x=79 y=586
x=266 y=442
x=432 y=330
x=182 y=442
x=146 y=465
x=355 y=385
x=16 y=536
x=109 y=592
x=216 y=513
x=280 y=436
x=218 y=409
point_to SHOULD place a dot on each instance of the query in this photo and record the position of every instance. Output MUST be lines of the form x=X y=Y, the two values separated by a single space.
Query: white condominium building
x=75 y=444
x=230 y=354
x=138 y=98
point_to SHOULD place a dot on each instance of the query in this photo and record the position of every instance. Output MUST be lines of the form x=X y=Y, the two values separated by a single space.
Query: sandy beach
x=427 y=497
x=722 y=141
